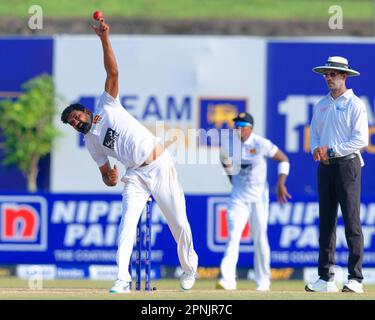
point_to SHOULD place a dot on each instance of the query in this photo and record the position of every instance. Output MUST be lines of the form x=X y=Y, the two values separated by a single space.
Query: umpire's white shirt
x=251 y=181
x=340 y=124
x=115 y=133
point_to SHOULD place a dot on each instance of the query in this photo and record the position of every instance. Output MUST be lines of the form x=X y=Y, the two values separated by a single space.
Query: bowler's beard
x=85 y=127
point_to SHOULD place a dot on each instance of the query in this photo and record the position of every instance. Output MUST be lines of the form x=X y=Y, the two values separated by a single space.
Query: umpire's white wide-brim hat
x=337 y=63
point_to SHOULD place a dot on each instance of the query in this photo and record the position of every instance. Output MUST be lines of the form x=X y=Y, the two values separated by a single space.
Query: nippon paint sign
x=297 y=240
x=293 y=232
x=175 y=86
x=81 y=229
x=78 y=229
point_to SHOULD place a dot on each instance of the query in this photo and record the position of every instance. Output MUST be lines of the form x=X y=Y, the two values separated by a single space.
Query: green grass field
x=17 y=289
x=361 y=10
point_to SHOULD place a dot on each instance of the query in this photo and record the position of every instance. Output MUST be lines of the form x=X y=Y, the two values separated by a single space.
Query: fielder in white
x=112 y=132
x=250 y=202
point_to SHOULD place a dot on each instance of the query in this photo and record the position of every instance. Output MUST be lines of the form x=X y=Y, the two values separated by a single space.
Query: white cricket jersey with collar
x=116 y=133
x=340 y=124
x=251 y=181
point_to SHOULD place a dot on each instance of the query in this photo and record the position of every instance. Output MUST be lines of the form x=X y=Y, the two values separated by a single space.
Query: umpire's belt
x=339 y=159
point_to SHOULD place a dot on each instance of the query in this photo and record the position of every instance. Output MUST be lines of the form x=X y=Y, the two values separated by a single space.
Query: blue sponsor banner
x=292 y=91
x=293 y=233
x=70 y=229
x=21 y=59
x=81 y=229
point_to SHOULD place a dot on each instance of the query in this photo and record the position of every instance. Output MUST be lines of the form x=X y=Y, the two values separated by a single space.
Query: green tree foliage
x=27 y=125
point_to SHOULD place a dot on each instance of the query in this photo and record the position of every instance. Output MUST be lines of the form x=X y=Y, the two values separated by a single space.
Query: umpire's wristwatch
x=331 y=153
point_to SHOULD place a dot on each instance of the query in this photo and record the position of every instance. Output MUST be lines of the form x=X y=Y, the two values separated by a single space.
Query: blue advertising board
x=293 y=89
x=81 y=229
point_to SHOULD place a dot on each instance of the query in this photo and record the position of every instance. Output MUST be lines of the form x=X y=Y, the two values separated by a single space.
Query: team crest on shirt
x=110 y=138
x=97 y=119
x=252 y=151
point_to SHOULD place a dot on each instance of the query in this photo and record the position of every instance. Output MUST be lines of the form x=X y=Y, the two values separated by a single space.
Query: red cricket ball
x=97 y=15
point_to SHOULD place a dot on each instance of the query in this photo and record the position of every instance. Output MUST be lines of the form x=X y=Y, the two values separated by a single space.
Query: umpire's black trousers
x=340 y=183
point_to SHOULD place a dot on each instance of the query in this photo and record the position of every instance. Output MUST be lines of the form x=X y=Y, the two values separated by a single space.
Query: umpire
x=338 y=131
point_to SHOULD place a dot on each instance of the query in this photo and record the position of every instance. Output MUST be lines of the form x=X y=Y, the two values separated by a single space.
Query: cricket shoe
x=120 y=286
x=222 y=284
x=353 y=286
x=263 y=287
x=187 y=280
x=322 y=286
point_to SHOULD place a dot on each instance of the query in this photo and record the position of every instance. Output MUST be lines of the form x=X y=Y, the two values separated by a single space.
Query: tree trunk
x=32 y=175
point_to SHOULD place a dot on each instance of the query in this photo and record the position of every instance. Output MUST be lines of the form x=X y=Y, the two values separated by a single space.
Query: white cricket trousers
x=239 y=213
x=159 y=179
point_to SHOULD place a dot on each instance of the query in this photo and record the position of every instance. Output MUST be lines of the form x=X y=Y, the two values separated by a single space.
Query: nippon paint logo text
x=95 y=223
x=299 y=225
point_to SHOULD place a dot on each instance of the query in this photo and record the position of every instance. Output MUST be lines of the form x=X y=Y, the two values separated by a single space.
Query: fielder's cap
x=337 y=63
x=244 y=119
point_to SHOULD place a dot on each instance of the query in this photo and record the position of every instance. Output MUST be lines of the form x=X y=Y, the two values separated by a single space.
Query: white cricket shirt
x=340 y=124
x=116 y=133
x=251 y=181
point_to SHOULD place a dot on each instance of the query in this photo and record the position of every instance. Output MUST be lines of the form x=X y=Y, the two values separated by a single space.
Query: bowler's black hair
x=69 y=109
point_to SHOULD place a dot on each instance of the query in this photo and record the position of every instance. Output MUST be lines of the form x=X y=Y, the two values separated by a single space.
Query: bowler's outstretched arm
x=110 y=64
